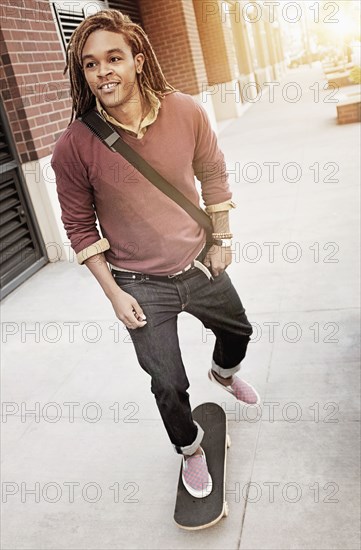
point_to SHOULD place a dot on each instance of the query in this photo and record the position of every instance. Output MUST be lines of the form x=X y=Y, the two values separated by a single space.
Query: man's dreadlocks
x=151 y=78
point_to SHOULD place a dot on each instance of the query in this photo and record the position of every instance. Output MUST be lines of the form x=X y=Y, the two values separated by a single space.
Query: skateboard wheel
x=225 y=509
x=229 y=442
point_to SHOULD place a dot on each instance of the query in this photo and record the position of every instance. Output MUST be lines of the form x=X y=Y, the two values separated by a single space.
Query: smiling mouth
x=109 y=86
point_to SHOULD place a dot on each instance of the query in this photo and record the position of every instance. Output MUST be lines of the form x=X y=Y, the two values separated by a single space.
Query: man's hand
x=218 y=259
x=128 y=310
x=125 y=306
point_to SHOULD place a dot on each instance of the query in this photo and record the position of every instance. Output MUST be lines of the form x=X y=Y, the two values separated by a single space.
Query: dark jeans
x=217 y=305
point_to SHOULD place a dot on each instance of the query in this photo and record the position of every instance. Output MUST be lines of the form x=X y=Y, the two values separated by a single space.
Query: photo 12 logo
x=72 y=411
x=270 y=11
x=69 y=491
x=275 y=491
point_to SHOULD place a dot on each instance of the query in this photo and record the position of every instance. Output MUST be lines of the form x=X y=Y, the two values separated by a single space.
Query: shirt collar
x=147 y=120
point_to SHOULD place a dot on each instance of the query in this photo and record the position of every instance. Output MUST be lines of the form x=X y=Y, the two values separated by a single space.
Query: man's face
x=110 y=69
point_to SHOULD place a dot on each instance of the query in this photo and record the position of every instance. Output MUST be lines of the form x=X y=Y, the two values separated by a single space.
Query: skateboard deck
x=198 y=513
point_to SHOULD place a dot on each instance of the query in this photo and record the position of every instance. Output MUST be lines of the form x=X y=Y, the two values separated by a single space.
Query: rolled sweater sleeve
x=76 y=199
x=209 y=164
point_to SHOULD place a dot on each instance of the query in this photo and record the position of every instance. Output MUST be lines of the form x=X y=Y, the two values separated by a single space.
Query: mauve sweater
x=146 y=231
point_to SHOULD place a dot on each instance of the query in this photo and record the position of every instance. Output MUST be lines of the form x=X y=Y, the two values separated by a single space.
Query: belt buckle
x=125 y=274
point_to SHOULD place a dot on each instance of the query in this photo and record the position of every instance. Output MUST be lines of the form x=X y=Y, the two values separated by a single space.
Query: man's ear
x=139 y=61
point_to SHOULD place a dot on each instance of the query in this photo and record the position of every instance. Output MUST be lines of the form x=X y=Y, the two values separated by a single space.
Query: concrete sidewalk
x=95 y=450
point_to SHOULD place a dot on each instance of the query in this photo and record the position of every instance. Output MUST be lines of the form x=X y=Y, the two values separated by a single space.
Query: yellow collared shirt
x=147 y=120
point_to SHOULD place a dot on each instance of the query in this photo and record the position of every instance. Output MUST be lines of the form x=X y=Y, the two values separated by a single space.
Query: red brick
x=37 y=61
x=172 y=42
x=21 y=147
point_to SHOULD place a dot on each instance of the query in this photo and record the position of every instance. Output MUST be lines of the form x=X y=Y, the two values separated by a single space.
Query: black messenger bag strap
x=104 y=131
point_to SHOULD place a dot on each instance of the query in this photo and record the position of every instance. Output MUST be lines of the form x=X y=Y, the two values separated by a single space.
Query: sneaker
x=195 y=476
x=240 y=389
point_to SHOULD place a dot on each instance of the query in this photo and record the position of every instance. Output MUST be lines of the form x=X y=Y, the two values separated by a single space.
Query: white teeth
x=109 y=86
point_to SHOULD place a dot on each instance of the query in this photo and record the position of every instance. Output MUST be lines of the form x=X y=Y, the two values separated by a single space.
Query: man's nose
x=104 y=69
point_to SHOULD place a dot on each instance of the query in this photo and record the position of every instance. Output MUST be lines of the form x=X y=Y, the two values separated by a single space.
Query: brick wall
x=349 y=112
x=215 y=38
x=33 y=89
x=172 y=31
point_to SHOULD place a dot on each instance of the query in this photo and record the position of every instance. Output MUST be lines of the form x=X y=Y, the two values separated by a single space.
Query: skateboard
x=198 y=513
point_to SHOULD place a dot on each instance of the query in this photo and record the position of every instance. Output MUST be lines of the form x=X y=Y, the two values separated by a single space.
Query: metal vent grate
x=70 y=15
x=68 y=22
x=22 y=251
x=128 y=7
x=17 y=249
x=5 y=155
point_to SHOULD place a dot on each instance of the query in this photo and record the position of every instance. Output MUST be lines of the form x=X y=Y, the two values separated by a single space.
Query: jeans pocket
x=125 y=283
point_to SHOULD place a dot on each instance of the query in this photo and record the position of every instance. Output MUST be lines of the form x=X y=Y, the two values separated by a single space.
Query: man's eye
x=115 y=59
x=90 y=65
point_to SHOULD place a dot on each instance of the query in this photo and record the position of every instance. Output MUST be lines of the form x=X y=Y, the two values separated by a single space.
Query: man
x=149 y=242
